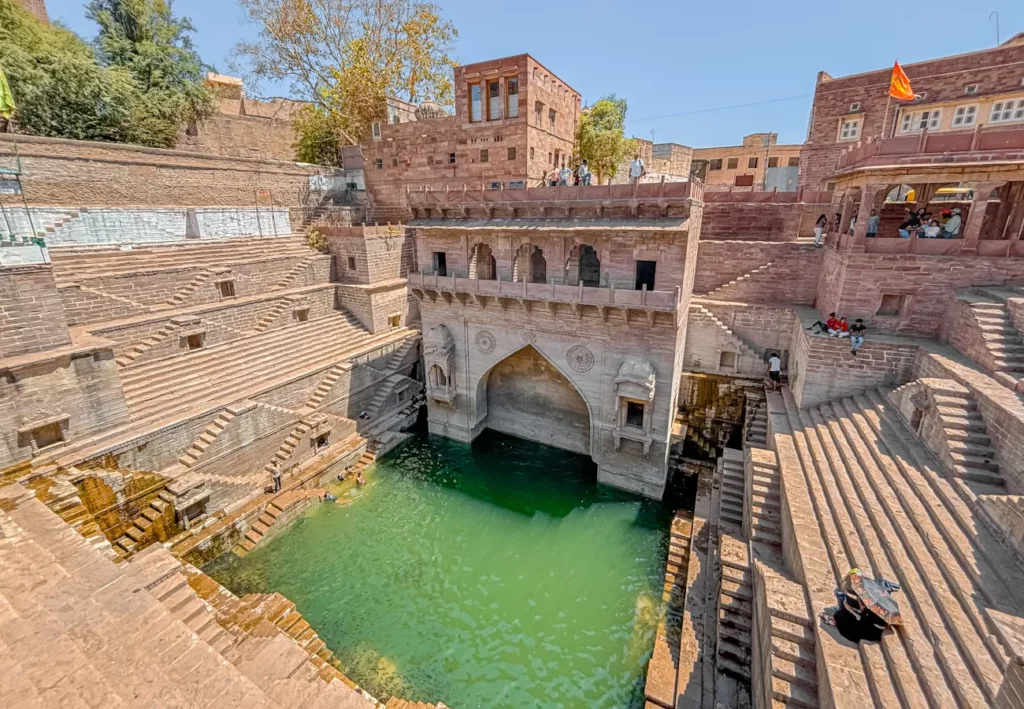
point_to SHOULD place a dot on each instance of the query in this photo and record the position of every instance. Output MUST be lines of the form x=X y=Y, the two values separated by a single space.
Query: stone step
x=794 y=696
x=981 y=475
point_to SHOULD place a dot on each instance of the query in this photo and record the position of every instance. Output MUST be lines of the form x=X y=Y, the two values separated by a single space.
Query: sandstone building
x=759 y=162
x=37 y=8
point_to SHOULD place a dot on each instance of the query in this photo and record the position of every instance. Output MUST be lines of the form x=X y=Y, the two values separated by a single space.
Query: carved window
x=194 y=342
x=227 y=289
x=49 y=435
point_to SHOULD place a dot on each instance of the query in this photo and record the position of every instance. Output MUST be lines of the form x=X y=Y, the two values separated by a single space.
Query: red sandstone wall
x=82 y=173
x=31 y=315
x=791 y=277
x=759 y=221
x=242 y=136
x=995 y=71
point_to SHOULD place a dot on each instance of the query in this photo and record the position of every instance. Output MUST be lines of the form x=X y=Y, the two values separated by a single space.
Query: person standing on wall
x=275 y=474
x=636 y=169
x=774 y=370
x=819 y=229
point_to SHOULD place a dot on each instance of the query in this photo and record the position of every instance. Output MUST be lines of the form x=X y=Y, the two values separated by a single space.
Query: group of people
x=565 y=176
x=920 y=222
x=839 y=327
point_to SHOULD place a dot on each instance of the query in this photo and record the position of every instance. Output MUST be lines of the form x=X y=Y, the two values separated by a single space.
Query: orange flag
x=899 y=84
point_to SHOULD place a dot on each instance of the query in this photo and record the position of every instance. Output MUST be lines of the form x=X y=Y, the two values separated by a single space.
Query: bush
x=315 y=240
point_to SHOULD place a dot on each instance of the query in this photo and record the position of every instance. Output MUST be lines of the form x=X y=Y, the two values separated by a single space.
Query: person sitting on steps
x=857 y=335
x=821 y=327
x=841 y=329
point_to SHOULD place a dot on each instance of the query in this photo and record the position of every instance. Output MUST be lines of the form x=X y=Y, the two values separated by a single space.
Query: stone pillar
x=867 y=203
x=1011 y=212
x=976 y=217
x=844 y=220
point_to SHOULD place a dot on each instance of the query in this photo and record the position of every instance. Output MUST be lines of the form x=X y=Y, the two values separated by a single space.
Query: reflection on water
x=497 y=575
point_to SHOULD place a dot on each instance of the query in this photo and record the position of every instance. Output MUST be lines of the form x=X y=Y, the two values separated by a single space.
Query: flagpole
x=885 y=118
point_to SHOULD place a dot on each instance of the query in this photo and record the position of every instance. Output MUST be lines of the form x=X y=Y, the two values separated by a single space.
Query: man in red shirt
x=826 y=326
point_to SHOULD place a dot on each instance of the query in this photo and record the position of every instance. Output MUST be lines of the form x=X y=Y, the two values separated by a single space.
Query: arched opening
x=584 y=265
x=530 y=265
x=525 y=395
x=437 y=378
x=481 y=264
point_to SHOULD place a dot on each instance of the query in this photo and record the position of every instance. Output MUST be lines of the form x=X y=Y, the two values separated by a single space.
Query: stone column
x=844 y=220
x=976 y=217
x=867 y=203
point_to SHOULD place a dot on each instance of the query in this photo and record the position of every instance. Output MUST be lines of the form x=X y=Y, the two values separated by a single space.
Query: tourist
x=933 y=230
x=820 y=327
x=583 y=173
x=341 y=477
x=838 y=222
x=857 y=335
x=360 y=480
x=774 y=369
x=841 y=329
x=563 y=175
x=819 y=229
x=951 y=229
x=636 y=170
x=911 y=224
x=873 y=224
x=853 y=224
x=275 y=475
x=329 y=497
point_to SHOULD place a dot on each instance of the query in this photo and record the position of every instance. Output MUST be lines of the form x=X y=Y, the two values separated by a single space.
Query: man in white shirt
x=952 y=225
x=774 y=369
x=636 y=169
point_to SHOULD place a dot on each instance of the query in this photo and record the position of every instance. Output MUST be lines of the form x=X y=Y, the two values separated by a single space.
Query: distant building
x=661 y=160
x=37 y=8
x=958 y=93
x=759 y=162
x=514 y=123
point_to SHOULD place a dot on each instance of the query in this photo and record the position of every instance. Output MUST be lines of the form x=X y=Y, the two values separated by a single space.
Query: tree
x=348 y=57
x=58 y=87
x=144 y=38
x=601 y=139
x=318 y=137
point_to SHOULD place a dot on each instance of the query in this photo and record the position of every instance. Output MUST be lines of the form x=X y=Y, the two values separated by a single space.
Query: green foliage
x=601 y=139
x=150 y=89
x=144 y=38
x=315 y=240
x=318 y=137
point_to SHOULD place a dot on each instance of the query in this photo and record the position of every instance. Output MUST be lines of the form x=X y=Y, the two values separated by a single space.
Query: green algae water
x=492 y=575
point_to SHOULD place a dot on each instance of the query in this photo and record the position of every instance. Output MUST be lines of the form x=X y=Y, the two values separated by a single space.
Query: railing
x=579 y=294
x=927 y=146
x=596 y=194
x=749 y=195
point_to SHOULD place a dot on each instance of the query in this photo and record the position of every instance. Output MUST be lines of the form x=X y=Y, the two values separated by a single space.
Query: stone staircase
x=742 y=345
x=735 y=612
x=380 y=397
x=323 y=389
x=1003 y=344
x=287 y=447
x=77 y=630
x=182 y=295
x=968 y=450
x=398 y=356
x=365 y=460
x=763 y=523
x=138 y=350
x=191 y=456
x=291 y=501
x=732 y=487
x=882 y=503
x=271 y=316
x=294 y=272
x=145 y=527
x=225 y=370
x=723 y=289
x=84 y=263
x=755 y=420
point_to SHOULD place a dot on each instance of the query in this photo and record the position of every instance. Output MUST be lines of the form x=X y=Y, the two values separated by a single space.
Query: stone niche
x=439 y=362
x=634 y=402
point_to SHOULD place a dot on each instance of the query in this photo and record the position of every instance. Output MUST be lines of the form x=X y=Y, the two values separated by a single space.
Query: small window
x=1007 y=111
x=517 y=184
x=830 y=186
x=227 y=289
x=430 y=160
x=376 y=130
x=538 y=112
x=512 y=153
x=892 y=304
x=854 y=107
x=727 y=360
x=493 y=101
x=849 y=129
x=499 y=138
x=395 y=321
x=483 y=155
x=965 y=116
x=551 y=118
x=351 y=263
x=302 y=315
x=917 y=122
x=732 y=163
x=773 y=162
x=379 y=164
x=497 y=185
x=634 y=414
x=322 y=441
x=49 y=435
x=532 y=153
x=794 y=162
x=971 y=89
x=394 y=162
x=512 y=89
x=440 y=263
x=751 y=162
x=451 y=158
x=476 y=106
x=645 y=271
x=715 y=164
x=194 y=342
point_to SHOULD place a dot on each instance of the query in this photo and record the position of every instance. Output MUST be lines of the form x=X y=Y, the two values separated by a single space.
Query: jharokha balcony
x=646 y=200
x=574 y=299
x=975 y=178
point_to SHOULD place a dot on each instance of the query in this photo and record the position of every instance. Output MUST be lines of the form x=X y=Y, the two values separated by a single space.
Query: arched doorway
x=482 y=264
x=530 y=265
x=584 y=265
x=525 y=395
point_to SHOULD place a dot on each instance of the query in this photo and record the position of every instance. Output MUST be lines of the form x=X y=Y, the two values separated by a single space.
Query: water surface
x=493 y=575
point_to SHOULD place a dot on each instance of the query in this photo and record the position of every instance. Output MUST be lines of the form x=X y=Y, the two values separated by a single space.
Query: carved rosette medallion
x=580 y=358
x=485 y=342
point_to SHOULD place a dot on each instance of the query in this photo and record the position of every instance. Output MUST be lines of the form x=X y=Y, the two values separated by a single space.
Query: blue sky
x=671 y=57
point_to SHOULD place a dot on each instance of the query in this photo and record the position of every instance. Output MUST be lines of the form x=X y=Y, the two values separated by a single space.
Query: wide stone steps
x=880 y=511
x=270 y=515
x=323 y=389
x=172 y=386
x=71 y=265
x=206 y=438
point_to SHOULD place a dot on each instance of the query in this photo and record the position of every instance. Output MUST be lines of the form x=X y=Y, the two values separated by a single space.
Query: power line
x=719 y=108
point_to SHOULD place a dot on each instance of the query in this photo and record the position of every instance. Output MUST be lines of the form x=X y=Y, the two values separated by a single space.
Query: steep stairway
x=755 y=420
x=142 y=531
x=323 y=389
x=294 y=272
x=140 y=349
x=182 y=295
x=191 y=456
x=735 y=612
x=380 y=397
x=284 y=502
x=732 y=488
x=272 y=315
x=882 y=504
x=725 y=288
